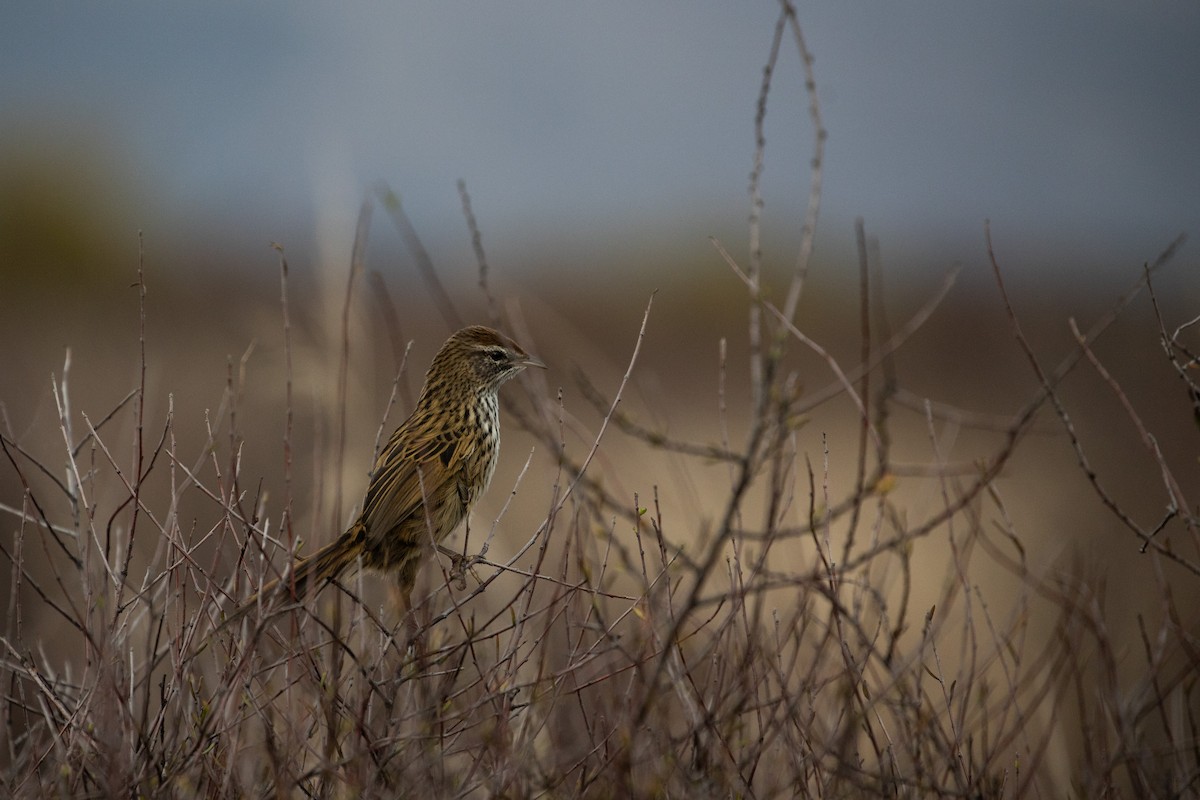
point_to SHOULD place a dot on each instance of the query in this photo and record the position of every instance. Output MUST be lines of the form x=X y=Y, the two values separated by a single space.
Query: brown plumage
x=432 y=470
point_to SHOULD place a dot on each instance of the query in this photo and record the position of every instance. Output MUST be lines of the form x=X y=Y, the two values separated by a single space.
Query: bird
x=434 y=467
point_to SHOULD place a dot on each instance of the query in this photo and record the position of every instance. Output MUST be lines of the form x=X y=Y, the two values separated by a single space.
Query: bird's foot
x=461 y=563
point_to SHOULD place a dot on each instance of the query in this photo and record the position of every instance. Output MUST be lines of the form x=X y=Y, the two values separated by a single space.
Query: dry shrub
x=796 y=644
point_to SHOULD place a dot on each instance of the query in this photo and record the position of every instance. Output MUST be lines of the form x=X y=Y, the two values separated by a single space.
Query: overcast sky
x=1072 y=121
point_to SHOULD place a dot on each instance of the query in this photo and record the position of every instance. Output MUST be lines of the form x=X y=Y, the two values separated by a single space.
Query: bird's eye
x=496 y=355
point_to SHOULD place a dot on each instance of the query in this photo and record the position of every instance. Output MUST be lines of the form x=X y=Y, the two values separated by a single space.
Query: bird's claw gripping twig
x=460 y=563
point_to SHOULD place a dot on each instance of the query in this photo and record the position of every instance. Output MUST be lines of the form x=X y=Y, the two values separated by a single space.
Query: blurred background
x=602 y=144
x=588 y=134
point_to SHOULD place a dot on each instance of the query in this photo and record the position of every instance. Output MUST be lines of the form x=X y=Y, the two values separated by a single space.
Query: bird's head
x=481 y=356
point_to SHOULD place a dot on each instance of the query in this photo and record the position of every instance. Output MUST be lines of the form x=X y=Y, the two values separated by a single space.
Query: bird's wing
x=419 y=461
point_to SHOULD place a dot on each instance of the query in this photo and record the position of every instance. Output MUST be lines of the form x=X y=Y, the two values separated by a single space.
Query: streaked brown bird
x=433 y=469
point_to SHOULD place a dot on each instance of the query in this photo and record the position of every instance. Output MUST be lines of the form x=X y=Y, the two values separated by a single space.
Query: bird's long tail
x=307 y=574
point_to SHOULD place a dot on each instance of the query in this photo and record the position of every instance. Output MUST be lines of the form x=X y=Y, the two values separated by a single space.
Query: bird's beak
x=531 y=361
